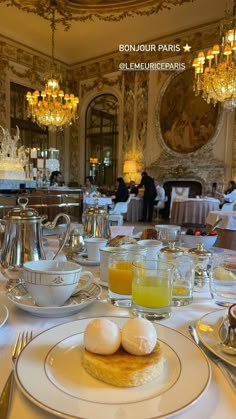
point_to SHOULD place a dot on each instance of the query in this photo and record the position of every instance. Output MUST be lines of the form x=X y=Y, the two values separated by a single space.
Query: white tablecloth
x=228 y=221
x=191 y=210
x=217 y=402
x=135 y=209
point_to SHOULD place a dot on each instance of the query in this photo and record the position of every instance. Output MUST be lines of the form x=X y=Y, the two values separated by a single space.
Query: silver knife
x=228 y=371
x=6 y=395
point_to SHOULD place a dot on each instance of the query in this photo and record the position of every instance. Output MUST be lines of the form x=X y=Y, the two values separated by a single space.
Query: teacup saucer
x=83 y=260
x=101 y=282
x=19 y=296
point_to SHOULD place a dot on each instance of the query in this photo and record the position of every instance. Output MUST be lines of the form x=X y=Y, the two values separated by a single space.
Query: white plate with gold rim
x=83 y=260
x=72 y=392
x=208 y=328
x=3 y=314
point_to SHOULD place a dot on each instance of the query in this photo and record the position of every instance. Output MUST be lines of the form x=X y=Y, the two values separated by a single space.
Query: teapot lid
x=95 y=210
x=22 y=212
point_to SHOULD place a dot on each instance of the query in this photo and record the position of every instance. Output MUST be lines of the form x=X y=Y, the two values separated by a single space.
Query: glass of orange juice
x=183 y=280
x=152 y=289
x=120 y=275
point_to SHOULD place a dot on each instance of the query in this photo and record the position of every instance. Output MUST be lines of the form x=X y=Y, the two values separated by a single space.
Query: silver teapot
x=23 y=237
x=75 y=243
x=95 y=220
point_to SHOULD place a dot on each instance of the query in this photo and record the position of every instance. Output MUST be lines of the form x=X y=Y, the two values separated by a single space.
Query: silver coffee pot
x=95 y=220
x=23 y=239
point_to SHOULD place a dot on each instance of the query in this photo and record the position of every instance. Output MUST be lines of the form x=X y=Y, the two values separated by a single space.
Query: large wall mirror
x=31 y=134
x=101 y=139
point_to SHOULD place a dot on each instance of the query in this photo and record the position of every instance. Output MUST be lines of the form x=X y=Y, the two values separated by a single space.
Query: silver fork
x=5 y=399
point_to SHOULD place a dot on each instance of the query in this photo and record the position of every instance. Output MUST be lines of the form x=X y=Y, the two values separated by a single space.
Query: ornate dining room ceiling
x=98 y=27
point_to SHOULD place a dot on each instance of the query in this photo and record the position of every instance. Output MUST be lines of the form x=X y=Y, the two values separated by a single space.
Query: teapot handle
x=52 y=224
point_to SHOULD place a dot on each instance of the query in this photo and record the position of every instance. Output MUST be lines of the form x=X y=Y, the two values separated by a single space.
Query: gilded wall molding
x=234 y=151
x=87 y=10
x=142 y=114
x=3 y=91
x=99 y=83
x=128 y=111
x=74 y=148
x=199 y=38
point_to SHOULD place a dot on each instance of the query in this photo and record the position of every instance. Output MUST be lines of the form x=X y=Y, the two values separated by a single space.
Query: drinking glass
x=223 y=280
x=120 y=276
x=152 y=289
x=183 y=280
x=168 y=233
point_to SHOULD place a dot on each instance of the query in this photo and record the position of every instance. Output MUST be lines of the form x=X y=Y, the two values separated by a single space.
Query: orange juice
x=179 y=290
x=120 y=277
x=151 y=292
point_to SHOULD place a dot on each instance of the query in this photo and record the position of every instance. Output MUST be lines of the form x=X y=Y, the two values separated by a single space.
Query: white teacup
x=52 y=282
x=153 y=247
x=93 y=244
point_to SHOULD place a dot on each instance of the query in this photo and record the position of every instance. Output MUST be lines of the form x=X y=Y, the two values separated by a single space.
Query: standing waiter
x=149 y=196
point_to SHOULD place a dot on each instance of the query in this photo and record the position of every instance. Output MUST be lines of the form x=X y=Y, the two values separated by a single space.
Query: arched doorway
x=101 y=135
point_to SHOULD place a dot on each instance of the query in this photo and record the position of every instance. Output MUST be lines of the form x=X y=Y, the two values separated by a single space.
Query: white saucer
x=19 y=296
x=83 y=260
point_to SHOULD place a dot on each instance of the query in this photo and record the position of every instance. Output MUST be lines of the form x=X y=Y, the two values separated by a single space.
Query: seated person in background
x=161 y=194
x=89 y=187
x=133 y=190
x=122 y=193
x=231 y=187
x=230 y=193
x=56 y=178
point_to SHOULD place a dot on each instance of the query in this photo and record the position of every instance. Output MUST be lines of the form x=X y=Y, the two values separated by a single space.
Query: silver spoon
x=228 y=338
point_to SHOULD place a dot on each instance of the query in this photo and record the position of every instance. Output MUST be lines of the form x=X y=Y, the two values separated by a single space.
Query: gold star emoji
x=187 y=48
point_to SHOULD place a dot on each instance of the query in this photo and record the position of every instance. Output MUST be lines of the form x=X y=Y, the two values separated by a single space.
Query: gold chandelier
x=52 y=108
x=215 y=71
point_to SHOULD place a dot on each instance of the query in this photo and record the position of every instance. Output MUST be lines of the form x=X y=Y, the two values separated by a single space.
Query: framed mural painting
x=187 y=122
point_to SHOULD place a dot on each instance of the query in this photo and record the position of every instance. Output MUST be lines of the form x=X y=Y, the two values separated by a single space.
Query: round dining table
x=216 y=401
x=192 y=210
x=135 y=209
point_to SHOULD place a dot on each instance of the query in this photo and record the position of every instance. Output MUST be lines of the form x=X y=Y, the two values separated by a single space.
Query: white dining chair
x=157 y=207
x=116 y=213
x=229 y=206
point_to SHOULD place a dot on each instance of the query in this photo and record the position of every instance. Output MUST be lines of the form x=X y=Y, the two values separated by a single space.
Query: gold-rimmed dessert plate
x=72 y=392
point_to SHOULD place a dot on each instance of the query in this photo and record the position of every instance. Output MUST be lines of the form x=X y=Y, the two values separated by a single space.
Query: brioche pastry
x=122 y=369
x=149 y=234
x=120 y=240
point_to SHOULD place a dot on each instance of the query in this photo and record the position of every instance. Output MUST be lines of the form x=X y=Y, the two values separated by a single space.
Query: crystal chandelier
x=215 y=71
x=52 y=108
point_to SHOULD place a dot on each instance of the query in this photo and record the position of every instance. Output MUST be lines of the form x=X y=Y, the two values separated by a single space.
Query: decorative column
x=3 y=91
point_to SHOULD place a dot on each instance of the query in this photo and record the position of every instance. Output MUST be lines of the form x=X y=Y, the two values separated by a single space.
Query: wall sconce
x=129 y=166
x=93 y=160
